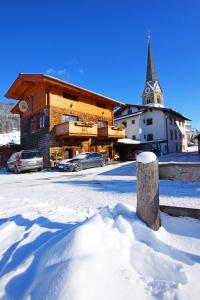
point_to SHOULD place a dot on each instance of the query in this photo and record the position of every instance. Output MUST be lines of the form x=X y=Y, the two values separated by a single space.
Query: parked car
x=83 y=161
x=25 y=160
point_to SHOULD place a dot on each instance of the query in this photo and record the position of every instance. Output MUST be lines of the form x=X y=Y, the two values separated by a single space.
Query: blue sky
x=102 y=46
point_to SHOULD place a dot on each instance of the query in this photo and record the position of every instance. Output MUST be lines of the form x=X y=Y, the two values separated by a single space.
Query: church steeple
x=152 y=95
x=151 y=71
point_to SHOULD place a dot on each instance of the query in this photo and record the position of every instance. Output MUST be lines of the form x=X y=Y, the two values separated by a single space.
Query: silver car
x=25 y=160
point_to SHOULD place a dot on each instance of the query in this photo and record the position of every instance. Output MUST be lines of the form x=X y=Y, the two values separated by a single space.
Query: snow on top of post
x=146 y=157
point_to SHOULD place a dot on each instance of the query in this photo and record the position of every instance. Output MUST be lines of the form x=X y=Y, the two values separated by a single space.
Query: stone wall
x=180 y=171
x=181 y=211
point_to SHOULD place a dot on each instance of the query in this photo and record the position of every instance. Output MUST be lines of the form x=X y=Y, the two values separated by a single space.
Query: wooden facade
x=61 y=119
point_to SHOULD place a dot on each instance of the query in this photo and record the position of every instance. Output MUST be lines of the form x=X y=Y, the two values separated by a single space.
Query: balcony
x=76 y=129
x=111 y=132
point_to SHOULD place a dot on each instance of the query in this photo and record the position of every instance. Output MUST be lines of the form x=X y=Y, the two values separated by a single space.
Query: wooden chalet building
x=60 y=119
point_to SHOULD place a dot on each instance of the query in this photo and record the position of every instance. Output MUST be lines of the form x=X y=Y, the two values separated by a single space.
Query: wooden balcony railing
x=79 y=129
x=111 y=132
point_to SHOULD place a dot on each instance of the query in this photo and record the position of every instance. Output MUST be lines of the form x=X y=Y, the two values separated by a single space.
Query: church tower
x=152 y=94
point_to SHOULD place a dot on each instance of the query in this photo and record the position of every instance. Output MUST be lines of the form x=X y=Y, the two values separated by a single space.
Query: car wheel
x=16 y=170
x=77 y=168
x=102 y=163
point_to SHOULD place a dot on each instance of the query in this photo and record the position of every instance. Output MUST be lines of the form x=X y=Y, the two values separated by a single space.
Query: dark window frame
x=150 y=137
x=149 y=122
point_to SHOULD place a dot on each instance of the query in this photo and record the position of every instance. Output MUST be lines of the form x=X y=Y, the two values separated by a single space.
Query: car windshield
x=29 y=155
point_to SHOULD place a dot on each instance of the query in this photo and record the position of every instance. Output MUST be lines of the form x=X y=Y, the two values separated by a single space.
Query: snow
x=128 y=141
x=76 y=236
x=146 y=157
x=11 y=137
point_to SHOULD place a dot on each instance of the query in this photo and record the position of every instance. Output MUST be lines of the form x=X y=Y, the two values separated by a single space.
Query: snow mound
x=111 y=255
x=146 y=157
x=10 y=138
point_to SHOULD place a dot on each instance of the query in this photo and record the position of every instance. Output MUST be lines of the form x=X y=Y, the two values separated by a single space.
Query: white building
x=151 y=122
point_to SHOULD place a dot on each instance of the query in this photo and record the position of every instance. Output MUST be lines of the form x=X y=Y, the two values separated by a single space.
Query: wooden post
x=148 y=189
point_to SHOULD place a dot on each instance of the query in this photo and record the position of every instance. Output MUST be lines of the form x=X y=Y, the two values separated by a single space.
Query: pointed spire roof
x=151 y=71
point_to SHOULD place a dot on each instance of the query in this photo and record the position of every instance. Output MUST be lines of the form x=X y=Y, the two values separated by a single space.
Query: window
x=149 y=121
x=124 y=124
x=130 y=111
x=133 y=121
x=70 y=96
x=42 y=121
x=67 y=118
x=170 y=118
x=148 y=100
x=159 y=100
x=144 y=121
x=150 y=137
x=31 y=154
x=33 y=128
x=133 y=137
x=102 y=124
x=145 y=136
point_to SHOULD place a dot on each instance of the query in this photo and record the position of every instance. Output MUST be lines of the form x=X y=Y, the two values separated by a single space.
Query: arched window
x=148 y=100
x=159 y=99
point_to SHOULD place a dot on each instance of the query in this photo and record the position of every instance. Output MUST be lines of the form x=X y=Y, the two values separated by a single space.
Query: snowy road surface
x=76 y=236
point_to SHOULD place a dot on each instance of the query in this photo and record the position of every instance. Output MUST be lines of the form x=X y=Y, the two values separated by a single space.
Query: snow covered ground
x=11 y=137
x=76 y=236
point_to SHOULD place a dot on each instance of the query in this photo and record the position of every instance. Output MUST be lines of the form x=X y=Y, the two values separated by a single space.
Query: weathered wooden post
x=148 y=189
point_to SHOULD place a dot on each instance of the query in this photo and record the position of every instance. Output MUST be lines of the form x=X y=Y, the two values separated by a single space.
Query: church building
x=151 y=123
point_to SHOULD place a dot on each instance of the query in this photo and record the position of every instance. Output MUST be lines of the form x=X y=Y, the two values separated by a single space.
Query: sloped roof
x=24 y=81
x=142 y=107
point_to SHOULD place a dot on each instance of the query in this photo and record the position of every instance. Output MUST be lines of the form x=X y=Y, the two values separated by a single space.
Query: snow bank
x=111 y=255
x=11 y=137
x=146 y=157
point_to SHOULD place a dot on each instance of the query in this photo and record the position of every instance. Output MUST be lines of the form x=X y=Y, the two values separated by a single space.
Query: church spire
x=151 y=71
x=152 y=94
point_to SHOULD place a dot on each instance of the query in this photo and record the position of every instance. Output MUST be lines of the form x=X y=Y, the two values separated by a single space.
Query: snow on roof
x=131 y=115
x=128 y=141
x=164 y=109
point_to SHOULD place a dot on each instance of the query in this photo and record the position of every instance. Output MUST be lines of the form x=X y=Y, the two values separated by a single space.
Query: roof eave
x=11 y=93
